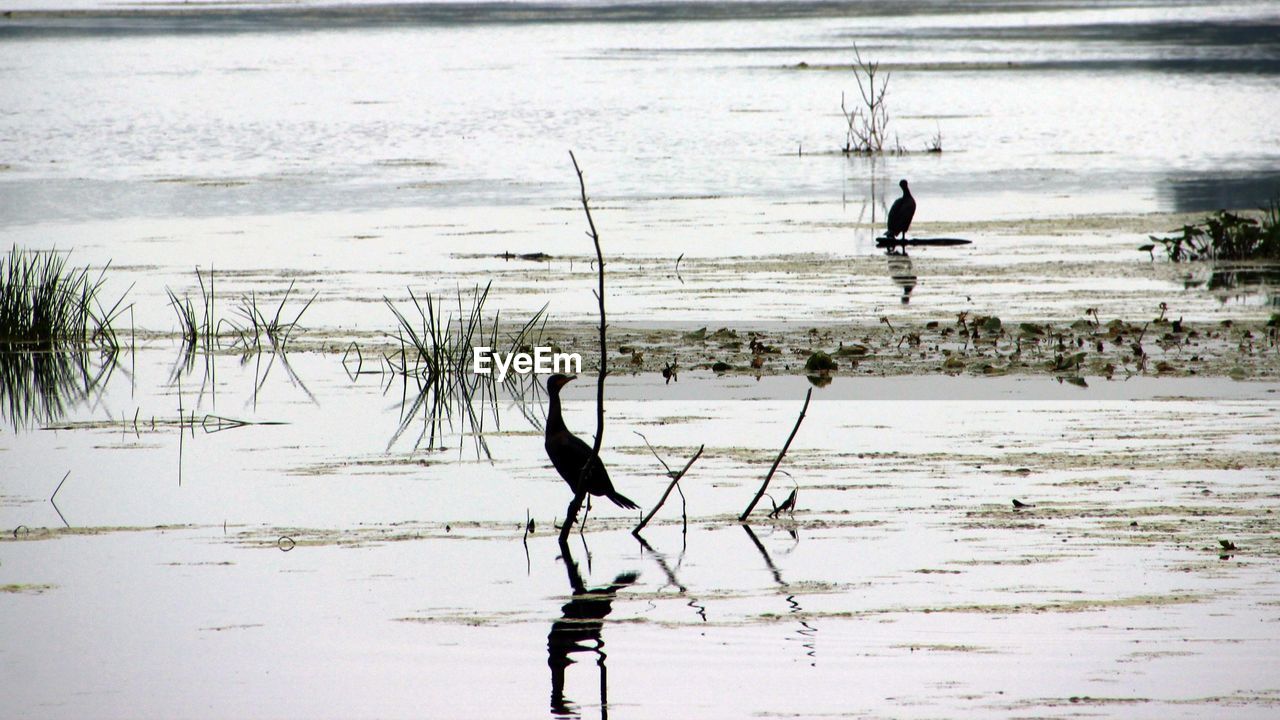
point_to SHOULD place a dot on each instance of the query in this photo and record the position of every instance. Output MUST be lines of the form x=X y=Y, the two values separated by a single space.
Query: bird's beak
x=570 y=378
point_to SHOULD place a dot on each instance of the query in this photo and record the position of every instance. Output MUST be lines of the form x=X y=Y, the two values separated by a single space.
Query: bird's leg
x=582 y=526
x=571 y=514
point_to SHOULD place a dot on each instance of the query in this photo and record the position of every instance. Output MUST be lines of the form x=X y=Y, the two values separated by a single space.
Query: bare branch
x=675 y=480
x=574 y=505
x=765 y=485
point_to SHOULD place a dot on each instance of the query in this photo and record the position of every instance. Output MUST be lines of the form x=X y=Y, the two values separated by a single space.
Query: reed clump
x=45 y=303
x=437 y=345
x=251 y=327
x=255 y=325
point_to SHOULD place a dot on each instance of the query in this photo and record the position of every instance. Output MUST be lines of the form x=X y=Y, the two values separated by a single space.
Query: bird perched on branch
x=900 y=214
x=569 y=454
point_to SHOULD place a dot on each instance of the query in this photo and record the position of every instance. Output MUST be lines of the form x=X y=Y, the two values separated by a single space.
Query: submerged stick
x=765 y=485
x=572 y=513
x=675 y=480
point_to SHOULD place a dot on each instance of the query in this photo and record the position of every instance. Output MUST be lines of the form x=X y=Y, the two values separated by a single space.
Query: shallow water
x=1074 y=108
x=289 y=535
x=256 y=549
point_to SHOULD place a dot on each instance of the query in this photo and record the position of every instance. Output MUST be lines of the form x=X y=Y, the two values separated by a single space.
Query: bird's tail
x=621 y=500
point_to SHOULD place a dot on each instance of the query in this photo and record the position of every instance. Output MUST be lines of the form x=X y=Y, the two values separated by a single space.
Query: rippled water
x=1061 y=108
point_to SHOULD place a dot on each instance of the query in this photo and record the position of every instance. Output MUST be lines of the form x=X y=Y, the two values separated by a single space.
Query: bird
x=569 y=453
x=900 y=214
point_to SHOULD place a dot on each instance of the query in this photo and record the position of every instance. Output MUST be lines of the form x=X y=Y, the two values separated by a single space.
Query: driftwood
x=922 y=242
x=765 y=485
x=675 y=480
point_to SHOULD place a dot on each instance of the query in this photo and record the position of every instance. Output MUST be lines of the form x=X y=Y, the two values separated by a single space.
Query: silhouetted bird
x=900 y=214
x=569 y=453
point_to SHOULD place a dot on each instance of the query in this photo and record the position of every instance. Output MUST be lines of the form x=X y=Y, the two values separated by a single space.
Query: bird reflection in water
x=578 y=630
x=901 y=273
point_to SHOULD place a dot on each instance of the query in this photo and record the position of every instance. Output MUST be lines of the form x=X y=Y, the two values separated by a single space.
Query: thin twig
x=576 y=504
x=765 y=485
x=658 y=457
x=675 y=480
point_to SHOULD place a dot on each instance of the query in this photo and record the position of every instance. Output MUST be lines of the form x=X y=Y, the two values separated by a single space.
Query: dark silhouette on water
x=902 y=275
x=900 y=214
x=578 y=630
x=569 y=454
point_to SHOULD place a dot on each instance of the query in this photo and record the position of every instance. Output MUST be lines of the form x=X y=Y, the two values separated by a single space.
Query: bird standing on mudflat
x=900 y=214
x=569 y=453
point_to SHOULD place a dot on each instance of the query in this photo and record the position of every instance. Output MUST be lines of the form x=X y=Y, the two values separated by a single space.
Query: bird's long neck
x=555 y=421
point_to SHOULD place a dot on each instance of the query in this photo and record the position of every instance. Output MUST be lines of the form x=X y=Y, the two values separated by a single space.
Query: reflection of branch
x=777 y=576
x=675 y=480
x=55 y=494
x=772 y=470
x=662 y=563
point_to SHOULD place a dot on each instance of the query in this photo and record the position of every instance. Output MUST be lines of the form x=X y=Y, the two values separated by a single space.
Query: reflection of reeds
x=436 y=354
x=39 y=386
x=45 y=303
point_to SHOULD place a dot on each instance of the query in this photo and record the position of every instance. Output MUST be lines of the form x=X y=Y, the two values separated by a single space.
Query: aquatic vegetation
x=44 y=302
x=867 y=124
x=435 y=345
x=57 y=343
x=935 y=143
x=437 y=350
x=195 y=329
x=198 y=327
x=1225 y=236
x=257 y=325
